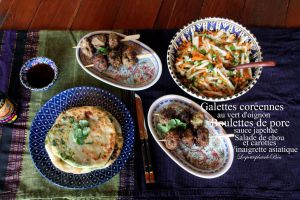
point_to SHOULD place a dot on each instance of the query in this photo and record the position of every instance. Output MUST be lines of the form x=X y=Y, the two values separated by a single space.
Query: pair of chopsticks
x=149 y=175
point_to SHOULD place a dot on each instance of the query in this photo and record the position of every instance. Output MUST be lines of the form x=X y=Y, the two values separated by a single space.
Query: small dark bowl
x=31 y=63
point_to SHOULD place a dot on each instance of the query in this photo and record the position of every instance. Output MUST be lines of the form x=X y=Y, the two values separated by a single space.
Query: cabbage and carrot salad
x=202 y=63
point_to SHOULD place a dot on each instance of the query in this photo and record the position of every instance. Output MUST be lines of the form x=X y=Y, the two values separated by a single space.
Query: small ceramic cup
x=33 y=62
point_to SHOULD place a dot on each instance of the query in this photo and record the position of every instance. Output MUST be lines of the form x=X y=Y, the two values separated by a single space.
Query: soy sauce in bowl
x=40 y=75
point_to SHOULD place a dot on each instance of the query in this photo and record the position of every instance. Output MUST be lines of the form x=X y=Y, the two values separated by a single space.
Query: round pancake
x=63 y=166
x=97 y=148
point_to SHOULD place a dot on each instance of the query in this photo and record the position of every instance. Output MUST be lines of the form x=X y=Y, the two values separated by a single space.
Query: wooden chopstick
x=255 y=64
x=149 y=174
x=131 y=37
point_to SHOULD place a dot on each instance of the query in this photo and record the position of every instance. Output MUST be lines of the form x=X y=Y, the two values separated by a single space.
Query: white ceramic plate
x=216 y=24
x=218 y=153
x=139 y=77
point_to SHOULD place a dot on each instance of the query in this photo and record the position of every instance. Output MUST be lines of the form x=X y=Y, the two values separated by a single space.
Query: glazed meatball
x=129 y=57
x=197 y=120
x=114 y=58
x=172 y=140
x=86 y=48
x=202 y=138
x=184 y=116
x=169 y=112
x=98 y=41
x=188 y=138
x=113 y=41
x=100 y=63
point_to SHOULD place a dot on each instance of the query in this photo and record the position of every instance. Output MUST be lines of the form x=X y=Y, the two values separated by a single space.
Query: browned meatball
x=202 y=138
x=86 y=48
x=172 y=140
x=113 y=41
x=185 y=116
x=188 y=138
x=129 y=57
x=98 y=40
x=197 y=119
x=169 y=112
x=100 y=62
x=114 y=58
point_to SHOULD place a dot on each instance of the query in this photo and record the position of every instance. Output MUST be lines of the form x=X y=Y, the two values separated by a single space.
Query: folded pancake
x=83 y=139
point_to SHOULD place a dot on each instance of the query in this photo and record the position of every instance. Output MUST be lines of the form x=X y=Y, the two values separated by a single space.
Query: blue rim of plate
x=44 y=119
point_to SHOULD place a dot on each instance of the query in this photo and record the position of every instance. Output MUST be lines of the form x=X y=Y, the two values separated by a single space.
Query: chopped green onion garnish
x=102 y=50
x=202 y=51
x=210 y=67
x=232 y=47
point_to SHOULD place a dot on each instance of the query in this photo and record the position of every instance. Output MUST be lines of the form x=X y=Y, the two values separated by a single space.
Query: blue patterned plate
x=213 y=24
x=78 y=96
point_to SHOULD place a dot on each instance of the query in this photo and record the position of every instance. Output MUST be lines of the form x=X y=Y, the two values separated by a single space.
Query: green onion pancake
x=83 y=139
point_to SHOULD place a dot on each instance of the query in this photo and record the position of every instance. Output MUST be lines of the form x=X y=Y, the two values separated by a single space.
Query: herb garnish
x=232 y=48
x=210 y=67
x=172 y=124
x=80 y=131
x=203 y=51
x=102 y=50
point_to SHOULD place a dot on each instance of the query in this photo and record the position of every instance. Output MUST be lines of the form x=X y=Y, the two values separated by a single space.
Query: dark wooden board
x=265 y=13
x=143 y=14
x=232 y=9
x=20 y=14
x=55 y=14
x=96 y=14
x=179 y=13
x=136 y=14
x=293 y=14
x=4 y=7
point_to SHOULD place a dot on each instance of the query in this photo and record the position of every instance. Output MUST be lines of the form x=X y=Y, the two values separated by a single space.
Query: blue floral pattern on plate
x=43 y=121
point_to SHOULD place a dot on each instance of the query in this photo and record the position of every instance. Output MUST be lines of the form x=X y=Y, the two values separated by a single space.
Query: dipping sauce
x=40 y=75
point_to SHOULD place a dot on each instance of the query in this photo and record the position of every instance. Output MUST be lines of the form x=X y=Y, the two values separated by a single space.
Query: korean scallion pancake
x=83 y=139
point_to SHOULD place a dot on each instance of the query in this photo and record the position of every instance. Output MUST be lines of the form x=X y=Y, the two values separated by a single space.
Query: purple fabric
x=5 y=59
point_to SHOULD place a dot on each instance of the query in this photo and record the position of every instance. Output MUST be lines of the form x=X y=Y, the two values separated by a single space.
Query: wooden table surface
x=143 y=14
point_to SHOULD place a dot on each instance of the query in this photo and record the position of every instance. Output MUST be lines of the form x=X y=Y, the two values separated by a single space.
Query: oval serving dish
x=213 y=24
x=141 y=76
x=216 y=158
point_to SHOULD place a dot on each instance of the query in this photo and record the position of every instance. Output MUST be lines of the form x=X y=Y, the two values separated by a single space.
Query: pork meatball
x=129 y=57
x=184 y=116
x=188 y=138
x=86 y=48
x=202 y=138
x=172 y=140
x=113 y=41
x=114 y=58
x=169 y=113
x=100 y=62
x=98 y=41
x=197 y=120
